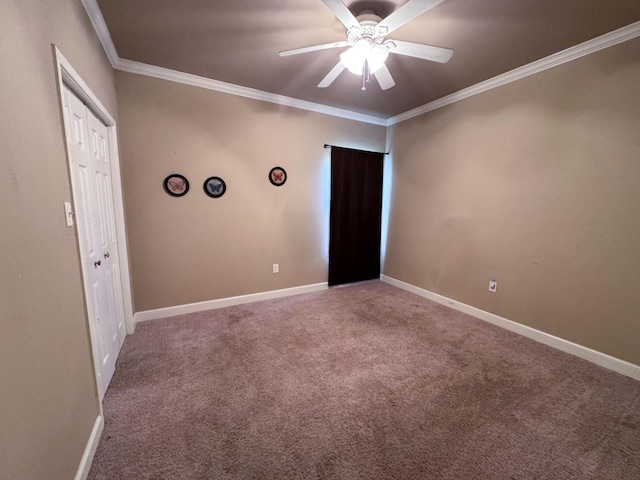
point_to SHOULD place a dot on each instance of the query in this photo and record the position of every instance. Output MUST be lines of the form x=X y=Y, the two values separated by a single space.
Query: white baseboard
x=90 y=449
x=599 y=358
x=225 y=302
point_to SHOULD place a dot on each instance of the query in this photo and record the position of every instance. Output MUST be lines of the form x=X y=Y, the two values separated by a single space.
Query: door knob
x=106 y=255
x=97 y=264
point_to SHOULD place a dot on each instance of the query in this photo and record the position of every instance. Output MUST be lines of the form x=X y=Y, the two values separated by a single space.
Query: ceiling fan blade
x=384 y=78
x=341 y=11
x=407 y=12
x=417 y=50
x=286 y=53
x=332 y=75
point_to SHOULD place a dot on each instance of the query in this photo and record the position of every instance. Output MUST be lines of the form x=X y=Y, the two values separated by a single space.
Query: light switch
x=68 y=214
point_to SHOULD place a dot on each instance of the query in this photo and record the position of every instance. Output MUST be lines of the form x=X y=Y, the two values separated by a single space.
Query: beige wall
x=195 y=248
x=535 y=184
x=48 y=400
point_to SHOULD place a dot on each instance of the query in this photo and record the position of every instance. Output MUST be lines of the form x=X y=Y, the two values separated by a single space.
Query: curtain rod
x=326 y=145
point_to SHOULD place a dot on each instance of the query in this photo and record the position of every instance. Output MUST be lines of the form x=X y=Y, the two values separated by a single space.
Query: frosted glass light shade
x=377 y=56
x=355 y=57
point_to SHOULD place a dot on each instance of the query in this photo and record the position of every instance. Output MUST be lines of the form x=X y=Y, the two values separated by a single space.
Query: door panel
x=119 y=301
x=84 y=220
x=94 y=213
x=110 y=253
x=111 y=302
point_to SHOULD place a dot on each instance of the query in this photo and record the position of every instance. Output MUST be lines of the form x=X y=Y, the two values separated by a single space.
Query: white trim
x=599 y=43
x=100 y=26
x=224 y=87
x=593 y=356
x=226 y=302
x=591 y=46
x=68 y=76
x=90 y=449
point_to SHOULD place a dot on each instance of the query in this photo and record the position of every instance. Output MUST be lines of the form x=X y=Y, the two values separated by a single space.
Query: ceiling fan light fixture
x=369 y=48
x=355 y=57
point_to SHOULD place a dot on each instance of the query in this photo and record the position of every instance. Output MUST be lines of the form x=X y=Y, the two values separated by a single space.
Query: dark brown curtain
x=355 y=218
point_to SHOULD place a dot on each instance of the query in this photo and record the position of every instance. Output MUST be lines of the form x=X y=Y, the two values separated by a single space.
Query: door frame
x=69 y=77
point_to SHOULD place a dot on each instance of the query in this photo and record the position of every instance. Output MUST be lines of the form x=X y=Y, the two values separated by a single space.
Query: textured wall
x=195 y=248
x=534 y=184
x=48 y=398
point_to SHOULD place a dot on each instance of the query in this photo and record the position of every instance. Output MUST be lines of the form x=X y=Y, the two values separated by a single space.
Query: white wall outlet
x=276 y=268
x=493 y=286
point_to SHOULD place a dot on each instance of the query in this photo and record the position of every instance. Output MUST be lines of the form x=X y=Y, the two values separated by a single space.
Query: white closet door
x=91 y=179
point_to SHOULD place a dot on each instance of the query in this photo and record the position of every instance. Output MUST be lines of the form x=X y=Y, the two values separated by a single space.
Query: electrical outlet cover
x=493 y=286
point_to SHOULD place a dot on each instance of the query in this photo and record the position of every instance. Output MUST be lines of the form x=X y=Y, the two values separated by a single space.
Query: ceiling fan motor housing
x=368 y=28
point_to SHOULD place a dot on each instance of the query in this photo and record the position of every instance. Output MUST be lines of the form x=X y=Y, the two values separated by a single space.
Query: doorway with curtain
x=355 y=215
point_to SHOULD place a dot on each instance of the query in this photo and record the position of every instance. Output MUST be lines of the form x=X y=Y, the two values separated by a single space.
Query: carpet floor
x=360 y=382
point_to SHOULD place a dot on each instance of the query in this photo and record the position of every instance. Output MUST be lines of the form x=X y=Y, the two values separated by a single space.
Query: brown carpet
x=361 y=382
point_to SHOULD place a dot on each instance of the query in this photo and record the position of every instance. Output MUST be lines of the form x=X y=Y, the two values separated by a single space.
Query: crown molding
x=224 y=87
x=100 y=26
x=591 y=46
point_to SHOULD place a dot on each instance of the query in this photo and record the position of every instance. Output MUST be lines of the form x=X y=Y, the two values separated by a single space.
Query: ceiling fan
x=369 y=48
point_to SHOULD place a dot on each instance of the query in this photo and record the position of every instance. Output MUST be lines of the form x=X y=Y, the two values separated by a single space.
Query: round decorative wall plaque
x=176 y=185
x=214 y=187
x=277 y=176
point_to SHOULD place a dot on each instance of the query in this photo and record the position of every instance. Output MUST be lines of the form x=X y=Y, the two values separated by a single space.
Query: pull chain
x=365 y=75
